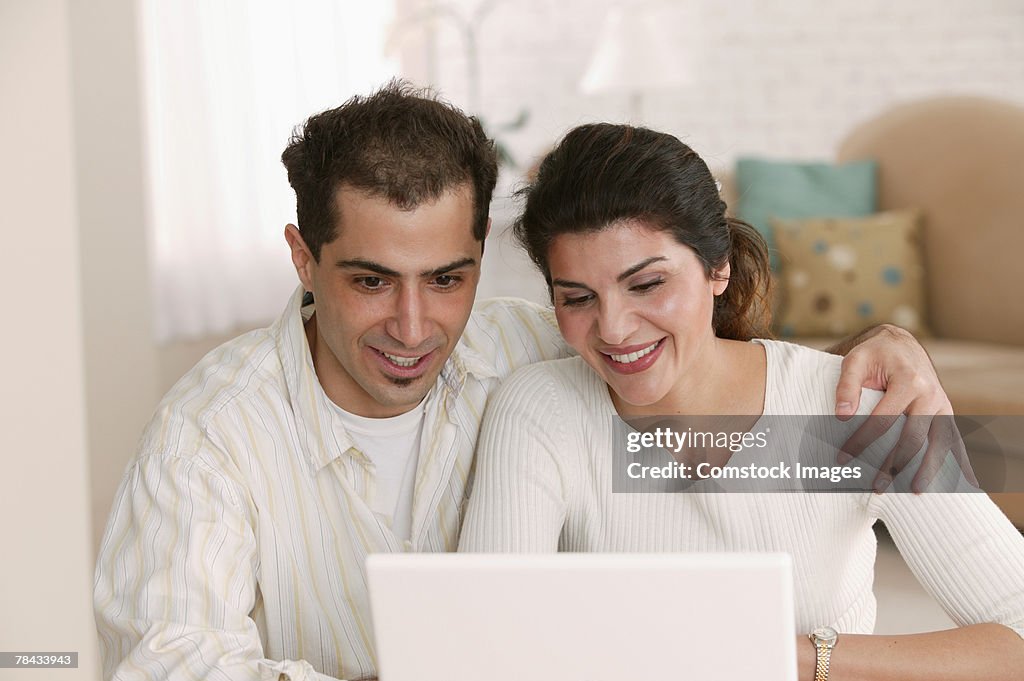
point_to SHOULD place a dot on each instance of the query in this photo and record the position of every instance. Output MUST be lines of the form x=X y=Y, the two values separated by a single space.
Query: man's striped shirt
x=236 y=544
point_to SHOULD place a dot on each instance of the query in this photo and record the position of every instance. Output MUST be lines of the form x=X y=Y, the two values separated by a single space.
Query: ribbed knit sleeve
x=963 y=550
x=959 y=545
x=522 y=480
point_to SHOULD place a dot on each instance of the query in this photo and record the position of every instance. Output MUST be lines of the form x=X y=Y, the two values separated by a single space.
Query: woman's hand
x=889 y=358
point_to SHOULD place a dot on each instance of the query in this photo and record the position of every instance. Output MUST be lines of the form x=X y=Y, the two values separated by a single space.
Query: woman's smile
x=637 y=306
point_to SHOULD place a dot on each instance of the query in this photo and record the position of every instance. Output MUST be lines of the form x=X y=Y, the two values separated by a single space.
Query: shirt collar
x=465 y=362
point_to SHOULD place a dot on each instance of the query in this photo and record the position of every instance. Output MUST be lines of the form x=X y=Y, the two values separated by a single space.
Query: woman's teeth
x=634 y=356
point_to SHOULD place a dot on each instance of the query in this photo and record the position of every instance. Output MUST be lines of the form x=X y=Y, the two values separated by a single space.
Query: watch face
x=825 y=635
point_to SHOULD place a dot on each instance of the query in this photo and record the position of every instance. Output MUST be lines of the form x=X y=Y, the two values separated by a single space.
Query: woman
x=660 y=294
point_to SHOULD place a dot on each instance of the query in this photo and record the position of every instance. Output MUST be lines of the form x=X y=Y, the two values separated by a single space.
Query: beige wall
x=121 y=371
x=44 y=496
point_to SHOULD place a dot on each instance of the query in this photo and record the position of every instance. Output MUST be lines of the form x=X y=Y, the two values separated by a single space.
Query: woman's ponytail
x=743 y=310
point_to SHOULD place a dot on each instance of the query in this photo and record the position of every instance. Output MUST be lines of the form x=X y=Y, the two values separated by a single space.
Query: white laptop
x=583 y=617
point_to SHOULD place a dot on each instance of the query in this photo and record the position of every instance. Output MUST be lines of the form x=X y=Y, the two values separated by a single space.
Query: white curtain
x=225 y=82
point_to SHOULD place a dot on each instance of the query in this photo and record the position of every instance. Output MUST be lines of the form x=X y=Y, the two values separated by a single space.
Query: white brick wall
x=783 y=78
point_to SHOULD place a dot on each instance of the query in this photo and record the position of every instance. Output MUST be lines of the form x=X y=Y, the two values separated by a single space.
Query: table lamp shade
x=637 y=51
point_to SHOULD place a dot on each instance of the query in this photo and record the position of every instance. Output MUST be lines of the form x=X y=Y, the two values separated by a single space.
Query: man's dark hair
x=400 y=143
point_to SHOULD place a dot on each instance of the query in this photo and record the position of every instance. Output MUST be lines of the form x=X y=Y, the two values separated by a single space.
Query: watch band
x=824 y=656
x=824 y=640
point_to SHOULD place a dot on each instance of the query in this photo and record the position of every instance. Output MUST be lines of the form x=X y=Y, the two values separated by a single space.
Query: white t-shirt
x=393 y=445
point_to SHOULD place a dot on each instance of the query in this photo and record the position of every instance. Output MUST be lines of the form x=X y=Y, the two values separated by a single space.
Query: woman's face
x=636 y=305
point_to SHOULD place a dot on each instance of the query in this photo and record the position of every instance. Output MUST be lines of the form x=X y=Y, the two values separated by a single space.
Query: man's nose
x=410 y=324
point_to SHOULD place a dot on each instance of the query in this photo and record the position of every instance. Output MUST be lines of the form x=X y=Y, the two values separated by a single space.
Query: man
x=236 y=543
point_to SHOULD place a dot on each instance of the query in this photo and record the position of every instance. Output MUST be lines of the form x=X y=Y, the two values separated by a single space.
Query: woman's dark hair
x=602 y=174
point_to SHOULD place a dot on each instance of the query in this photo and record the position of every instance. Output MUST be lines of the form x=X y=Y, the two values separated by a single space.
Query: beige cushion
x=839 y=275
x=960 y=160
x=979 y=378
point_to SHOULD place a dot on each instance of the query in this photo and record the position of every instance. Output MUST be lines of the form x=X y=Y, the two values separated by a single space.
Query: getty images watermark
x=714 y=454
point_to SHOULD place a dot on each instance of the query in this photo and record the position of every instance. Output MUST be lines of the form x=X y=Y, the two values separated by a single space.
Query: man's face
x=393 y=294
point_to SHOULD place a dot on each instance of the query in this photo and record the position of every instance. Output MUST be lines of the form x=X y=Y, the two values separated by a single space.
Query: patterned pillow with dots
x=839 y=275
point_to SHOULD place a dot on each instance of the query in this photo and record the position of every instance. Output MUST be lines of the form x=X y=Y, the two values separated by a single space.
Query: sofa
x=960 y=161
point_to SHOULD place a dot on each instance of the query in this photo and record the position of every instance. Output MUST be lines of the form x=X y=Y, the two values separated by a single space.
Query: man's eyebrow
x=445 y=269
x=359 y=264
x=565 y=283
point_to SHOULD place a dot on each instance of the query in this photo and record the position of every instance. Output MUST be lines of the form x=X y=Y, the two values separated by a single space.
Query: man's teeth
x=402 y=361
x=634 y=356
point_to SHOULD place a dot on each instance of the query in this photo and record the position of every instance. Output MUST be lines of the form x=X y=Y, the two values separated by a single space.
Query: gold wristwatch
x=824 y=640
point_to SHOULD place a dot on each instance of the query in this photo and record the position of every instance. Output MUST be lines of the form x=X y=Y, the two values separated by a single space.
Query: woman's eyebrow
x=565 y=283
x=639 y=266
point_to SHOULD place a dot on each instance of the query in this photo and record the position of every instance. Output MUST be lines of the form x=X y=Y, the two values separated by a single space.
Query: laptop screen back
x=583 y=617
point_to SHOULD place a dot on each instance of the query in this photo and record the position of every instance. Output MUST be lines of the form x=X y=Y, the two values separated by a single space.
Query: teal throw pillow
x=799 y=190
